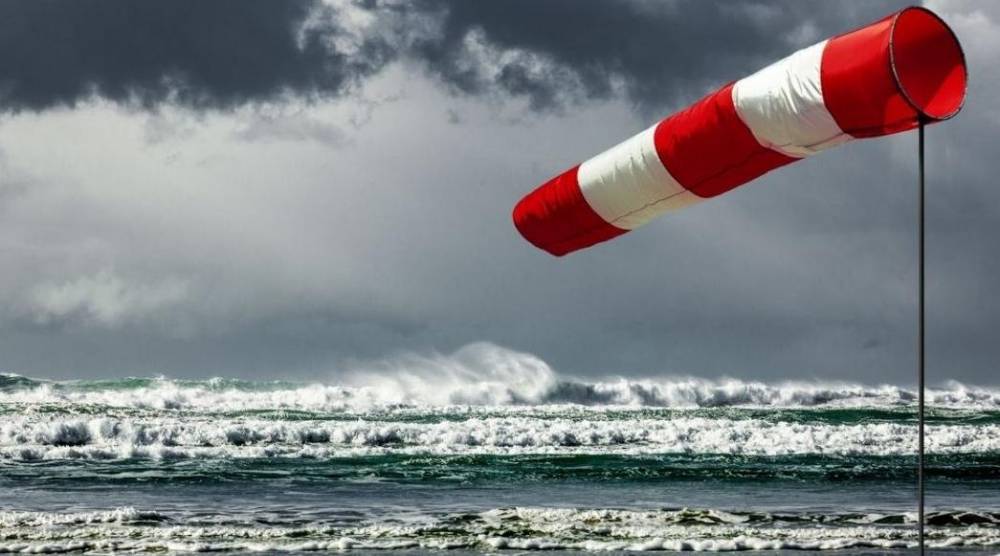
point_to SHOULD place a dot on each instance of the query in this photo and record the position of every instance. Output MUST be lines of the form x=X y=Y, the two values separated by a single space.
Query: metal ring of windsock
x=883 y=78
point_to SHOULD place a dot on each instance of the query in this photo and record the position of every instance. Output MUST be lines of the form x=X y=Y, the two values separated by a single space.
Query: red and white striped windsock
x=880 y=79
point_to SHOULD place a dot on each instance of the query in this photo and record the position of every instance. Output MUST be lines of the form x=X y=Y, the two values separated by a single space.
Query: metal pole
x=920 y=341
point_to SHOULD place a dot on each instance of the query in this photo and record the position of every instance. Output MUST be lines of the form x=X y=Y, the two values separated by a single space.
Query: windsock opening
x=928 y=63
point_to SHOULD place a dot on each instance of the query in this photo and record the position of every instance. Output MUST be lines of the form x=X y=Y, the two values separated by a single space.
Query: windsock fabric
x=880 y=79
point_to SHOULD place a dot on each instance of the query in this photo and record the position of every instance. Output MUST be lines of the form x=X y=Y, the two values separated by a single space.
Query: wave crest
x=480 y=374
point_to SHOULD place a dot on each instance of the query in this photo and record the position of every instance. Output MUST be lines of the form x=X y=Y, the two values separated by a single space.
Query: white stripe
x=782 y=105
x=627 y=185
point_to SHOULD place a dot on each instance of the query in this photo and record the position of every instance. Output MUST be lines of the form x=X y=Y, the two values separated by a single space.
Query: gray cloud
x=203 y=54
x=656 y=51
x=239 y=242
x=227 y=53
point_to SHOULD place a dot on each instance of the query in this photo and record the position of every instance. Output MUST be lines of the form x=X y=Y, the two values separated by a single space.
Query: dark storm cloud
x=225 y=53
x=662 y=51
x=219 y=53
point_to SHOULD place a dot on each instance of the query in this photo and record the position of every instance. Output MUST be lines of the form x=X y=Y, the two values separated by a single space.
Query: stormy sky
x=285 y=189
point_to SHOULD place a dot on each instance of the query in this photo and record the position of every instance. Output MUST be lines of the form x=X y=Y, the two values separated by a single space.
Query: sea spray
x=480 y=374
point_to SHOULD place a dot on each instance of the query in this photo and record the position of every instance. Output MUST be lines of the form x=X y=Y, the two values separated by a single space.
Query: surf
x=480 y=374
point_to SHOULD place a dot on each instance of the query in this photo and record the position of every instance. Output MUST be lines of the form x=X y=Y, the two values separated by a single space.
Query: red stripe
x=557 y=218
x=709 y=150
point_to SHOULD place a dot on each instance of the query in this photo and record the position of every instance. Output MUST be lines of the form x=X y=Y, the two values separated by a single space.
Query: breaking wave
x=34 y=437
x=477 y=375
x=522 y=528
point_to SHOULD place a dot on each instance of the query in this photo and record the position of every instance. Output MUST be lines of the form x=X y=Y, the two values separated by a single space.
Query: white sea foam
x=479 y=375
x=10 y=519
x=31 y=437
x=515 y=528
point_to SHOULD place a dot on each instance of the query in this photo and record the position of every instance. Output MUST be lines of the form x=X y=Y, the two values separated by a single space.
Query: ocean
x=515 y=458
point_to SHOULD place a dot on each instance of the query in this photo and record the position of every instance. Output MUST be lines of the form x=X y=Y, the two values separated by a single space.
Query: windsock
x=883 y=78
